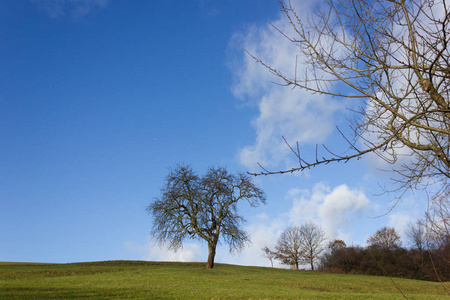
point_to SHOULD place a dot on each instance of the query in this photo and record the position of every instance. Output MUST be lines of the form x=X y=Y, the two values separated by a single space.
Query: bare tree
x=203 y=207
x=313 y=243
x=438 y=233
x=337 y=245
x=269 y=254
x=289 y=249
x=415 y=232
x=391 y=56
x=437 y=223
x=297 y=245
x=385 y=238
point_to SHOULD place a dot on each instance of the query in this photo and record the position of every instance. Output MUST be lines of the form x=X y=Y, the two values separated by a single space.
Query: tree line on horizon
x=427 y=258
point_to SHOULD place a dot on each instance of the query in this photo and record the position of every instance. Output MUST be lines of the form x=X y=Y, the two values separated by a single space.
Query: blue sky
x=99 y=98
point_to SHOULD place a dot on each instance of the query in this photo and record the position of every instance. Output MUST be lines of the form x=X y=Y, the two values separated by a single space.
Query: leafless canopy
x=437 y=223
x=269 y=254
x=289 y=248
x=300 y=245
x=391 y=56
x=415 y=232
x=385 y=238
x=337 y=245
x=313 y=242
x=191 y=206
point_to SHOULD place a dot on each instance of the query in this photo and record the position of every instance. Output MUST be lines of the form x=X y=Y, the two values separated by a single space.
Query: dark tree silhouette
x=337 y=245
x=204 y=207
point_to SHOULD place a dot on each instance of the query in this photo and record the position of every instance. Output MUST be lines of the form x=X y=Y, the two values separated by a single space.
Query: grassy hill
x=166 y=280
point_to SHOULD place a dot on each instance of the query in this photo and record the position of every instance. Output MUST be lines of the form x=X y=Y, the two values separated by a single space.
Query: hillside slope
x=169 y=280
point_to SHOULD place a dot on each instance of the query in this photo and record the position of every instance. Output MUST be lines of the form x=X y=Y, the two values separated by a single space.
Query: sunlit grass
x=165 y=280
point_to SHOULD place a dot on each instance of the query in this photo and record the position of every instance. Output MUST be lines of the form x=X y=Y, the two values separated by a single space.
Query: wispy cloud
x=191 y=252
x=332 y=208
x=297 y=115
x=263 y=232
x=409 y=210
x=73 y=8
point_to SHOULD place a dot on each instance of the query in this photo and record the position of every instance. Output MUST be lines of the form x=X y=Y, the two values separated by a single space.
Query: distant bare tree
x=415 y=232
x=300 y=244
x=191 y=206
x=337 y=245
x=289 y=249
x=438 y=222
x=269 y=254
x=438 y=233
x=392 y=56
x=386 y=238
x=313 y=243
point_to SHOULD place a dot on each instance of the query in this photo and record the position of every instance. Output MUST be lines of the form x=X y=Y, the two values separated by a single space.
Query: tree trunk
x=211 y=255
x=312 y=264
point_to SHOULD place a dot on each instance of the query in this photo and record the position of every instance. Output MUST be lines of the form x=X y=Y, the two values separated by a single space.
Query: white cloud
x=75 y=8
x=305 y=204
x=191 y=252
x=263 y=232
x=333 y=209
x=337 y=208
x=399 y=221
x=296 y=114
x=409 y=210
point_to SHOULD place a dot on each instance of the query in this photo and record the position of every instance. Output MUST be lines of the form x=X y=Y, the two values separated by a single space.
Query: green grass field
x=166 y=280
